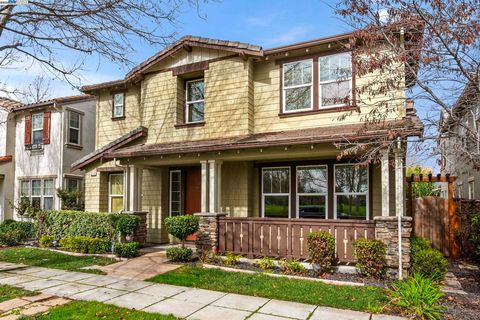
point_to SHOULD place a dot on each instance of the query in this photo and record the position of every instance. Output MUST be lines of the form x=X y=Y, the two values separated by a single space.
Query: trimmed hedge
x=126 y=250
x=62 y=224
x=85 y=244
x=321 y=249
x=16 y=232
x=371 y=260
x=179 y=254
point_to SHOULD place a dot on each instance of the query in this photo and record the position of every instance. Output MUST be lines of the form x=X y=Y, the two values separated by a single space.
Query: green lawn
x=50 y=259
x=7 y=293
x=304 y=291
x=83 y=310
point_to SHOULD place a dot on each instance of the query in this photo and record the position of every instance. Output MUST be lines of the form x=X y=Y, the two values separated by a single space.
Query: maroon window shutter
x=46 y=127
x=28 y=130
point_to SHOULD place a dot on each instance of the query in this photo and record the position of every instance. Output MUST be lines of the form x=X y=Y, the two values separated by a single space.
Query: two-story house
x=50 y=136
x=459 y=141
x=221 y=126
x=7 y=150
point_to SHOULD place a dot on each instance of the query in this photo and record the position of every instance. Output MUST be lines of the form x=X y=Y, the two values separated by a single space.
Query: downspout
x=399 y=218
x=62 y=146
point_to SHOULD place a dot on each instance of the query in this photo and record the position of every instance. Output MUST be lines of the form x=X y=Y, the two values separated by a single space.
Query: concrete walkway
x=182 y=302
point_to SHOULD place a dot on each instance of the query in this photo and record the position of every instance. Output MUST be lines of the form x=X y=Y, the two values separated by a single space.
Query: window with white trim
x=297 y=86
x=37 y=128
x=471 y=189
x=39 y=192
x=351 y=192
x=335 y=80
x=118 y=105
x=312 y=190
x=195 y=101
x=115 y=192
x=276 y=192
x=74 y=127
x=175 y=193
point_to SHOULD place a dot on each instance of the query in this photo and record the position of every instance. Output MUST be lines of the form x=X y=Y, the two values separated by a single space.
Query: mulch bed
x=460 y=306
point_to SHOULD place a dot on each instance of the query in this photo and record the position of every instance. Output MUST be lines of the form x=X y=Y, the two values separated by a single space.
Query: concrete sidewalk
x=182 y=302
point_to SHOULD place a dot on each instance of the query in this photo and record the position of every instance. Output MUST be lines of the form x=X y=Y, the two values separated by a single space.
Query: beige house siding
x=96 y=191
x=237 y=180
x=155 y=201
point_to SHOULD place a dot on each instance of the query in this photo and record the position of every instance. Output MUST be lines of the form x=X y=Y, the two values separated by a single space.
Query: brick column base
x=386 y=230
x=207 y=234
x=140 y=234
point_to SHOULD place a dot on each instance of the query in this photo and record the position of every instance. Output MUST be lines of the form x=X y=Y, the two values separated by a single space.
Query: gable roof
x=115 y=144
x=60 y=100
x=8 y=104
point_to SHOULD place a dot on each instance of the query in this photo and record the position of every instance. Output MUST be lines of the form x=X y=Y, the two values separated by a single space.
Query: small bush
x=371 y=259
x=427 y=261
x=266 y=263
x=208 y=256
x=82 y=244
x=126 y=224
x=182 y=226
x=293 y=267
x=16 y=232
x=418 y=297
x=179 y=254
x=231 y=259
x=321 y=249
x=46 y=241
x=475 y=232
x=126 y=250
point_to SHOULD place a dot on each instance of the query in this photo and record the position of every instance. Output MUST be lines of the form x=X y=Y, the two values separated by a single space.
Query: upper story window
x=118 y=109
x=317 y=83
x=195 y=101
x=74 y=128
x=37 y=128
x=335 y=81
x=297 y=86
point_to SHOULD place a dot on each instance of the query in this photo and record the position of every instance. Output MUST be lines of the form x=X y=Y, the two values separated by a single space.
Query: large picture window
x=351 y=192
x=175 y=192
x=195 y=102
x=116 y=192
x=276 y=192
x=39 y=192
x=312 y=188
x=297 y=86
x=335 y=80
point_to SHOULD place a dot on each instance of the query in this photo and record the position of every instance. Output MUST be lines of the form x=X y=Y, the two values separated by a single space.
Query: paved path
x=182 y=302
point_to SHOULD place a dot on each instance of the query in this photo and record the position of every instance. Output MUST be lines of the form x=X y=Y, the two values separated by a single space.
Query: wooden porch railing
x=287 y=238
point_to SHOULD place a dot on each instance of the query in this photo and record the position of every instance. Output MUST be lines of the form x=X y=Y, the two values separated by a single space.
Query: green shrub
x=182 y=226
x=371 y=259
x=293 y=266
x=418 y=297
x=427 y=261
x=179 y=254
x=126 y=224
x=82 y=244
x=71 y=200
x=266 y=263
x=321 y=249
x=16 y=232
x=126 y=250
x=475 y=232
x=46 y=241
x=231 y=259
x=208 y=256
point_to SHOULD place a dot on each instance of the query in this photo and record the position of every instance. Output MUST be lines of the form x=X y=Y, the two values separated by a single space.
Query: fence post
x=208 y=231
x=386 y=230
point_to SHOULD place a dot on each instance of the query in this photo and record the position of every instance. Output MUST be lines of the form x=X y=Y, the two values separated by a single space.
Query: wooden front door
x=193 y=192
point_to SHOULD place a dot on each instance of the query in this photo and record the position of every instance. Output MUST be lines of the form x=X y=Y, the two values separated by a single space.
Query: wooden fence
x=287 y=238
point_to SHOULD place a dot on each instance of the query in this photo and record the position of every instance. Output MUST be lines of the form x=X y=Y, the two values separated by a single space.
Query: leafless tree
x=58 y=35
x=435 y=44
x=39 y=89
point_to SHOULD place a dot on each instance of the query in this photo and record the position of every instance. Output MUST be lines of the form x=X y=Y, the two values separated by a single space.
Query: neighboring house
x=7 y=152
x=459 y=136
x=220 y=126
x=50 y=136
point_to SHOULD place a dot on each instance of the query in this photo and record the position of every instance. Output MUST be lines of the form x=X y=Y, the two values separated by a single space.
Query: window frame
x=297 y=195
x=79 y=129
x=320 y=83
x=110 y=195
x=289 y=194
x=117 y=117
x=41 y=196
x=284 y=88
x=471 y=189
x=41 y=115
x=335 y=193
x=77 y=180
x=170 y=192
x=188 y=103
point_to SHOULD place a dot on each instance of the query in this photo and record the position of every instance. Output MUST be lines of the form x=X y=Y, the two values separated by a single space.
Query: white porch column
x=385 y=184
x=399 y=190
x=204 y=186
x=214 y=189
x=133 y=188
